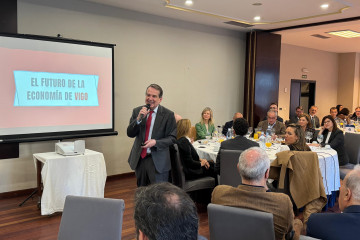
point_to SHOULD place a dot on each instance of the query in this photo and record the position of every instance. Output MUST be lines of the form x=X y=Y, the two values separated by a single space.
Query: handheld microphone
x=147 y=107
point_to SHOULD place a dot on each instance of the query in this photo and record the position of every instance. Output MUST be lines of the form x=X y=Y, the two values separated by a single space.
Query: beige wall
x=323 y=68
x=196 y=65
x=348 y=85
x=346 y=88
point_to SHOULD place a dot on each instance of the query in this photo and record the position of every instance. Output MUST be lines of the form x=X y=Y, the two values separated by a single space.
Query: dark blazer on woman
x=336 y=141
x=189 y=159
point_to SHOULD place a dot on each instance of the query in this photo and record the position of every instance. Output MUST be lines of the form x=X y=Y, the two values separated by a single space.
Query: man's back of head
x=241 y=126
x=237 y=115
x=254 y=165
x=350 y=189
x=164 y=211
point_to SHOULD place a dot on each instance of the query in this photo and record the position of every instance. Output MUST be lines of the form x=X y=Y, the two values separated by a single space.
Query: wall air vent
x=244 y=25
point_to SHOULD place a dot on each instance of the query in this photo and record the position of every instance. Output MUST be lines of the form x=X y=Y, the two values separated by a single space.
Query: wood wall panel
x=8 y=24
x=8 y=16
x=261 y=75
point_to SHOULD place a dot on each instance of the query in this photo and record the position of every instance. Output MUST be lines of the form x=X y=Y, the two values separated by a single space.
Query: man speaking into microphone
x=154 y=129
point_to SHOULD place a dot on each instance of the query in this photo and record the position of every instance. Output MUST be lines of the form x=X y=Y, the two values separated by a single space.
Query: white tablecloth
x=80 y=175
x=328 y=163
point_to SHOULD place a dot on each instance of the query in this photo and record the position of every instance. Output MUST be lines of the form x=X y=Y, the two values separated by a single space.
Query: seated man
x=356 y=115
x=229 y=124
x=343 y=225
x=298 y=112
x=240 y=142
x=272 y=123
x=274 y=107
x=333 y=113
x=315 y=122
x=164 y=211
x=254 y=167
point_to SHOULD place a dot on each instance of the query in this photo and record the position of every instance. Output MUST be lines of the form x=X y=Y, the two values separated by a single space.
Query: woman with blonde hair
x=206 y=125
x=193 y=166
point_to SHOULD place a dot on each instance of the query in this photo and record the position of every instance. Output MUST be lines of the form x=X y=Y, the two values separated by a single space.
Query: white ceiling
x=274 y=14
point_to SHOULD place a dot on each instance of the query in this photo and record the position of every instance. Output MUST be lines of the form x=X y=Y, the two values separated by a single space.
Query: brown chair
x=192 y=134
x=299 y=176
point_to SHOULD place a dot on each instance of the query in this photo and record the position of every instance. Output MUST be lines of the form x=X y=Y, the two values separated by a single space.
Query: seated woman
x=305 y=124
x=343 y=117
x=295 y=138
x=206 y=125
x=193 y=166
x=334 y=137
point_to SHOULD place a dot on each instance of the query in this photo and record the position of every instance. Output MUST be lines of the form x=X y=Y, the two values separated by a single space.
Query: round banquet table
x=328 y=164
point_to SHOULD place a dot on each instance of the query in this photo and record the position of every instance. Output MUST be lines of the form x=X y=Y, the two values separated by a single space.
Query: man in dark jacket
x=240 y=142
x=343 y=225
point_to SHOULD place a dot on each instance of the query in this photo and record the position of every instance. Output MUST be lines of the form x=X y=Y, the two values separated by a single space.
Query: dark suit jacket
x=238 y=143
x=335 y=226
x=336 y=142
x=227 y=125
x=316 y=121
x=189 y=159
x=164 y=132
x=293 y=120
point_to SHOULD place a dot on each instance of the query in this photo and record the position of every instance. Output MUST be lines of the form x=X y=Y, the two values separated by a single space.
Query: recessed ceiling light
x=345 y=33
x=189 y=3
x=324 y=6
x=257 y=18
x=257 y=4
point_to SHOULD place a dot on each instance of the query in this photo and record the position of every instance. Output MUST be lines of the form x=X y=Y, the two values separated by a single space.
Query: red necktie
x=148 y=124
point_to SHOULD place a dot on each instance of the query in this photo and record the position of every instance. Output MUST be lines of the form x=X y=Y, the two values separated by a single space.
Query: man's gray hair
x=353 y=182
x=272 y=111
x=253 y=164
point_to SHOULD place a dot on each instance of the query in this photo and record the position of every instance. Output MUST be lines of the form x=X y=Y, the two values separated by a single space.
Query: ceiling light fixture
x=257 y=18
x=189 y=3
x=345 y=33
x=324 y=6
x=257 y=4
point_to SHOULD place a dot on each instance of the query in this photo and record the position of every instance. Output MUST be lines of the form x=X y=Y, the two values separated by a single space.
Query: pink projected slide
x=53 y=63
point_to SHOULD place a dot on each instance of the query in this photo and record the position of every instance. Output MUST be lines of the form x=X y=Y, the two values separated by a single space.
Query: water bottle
x=268 y=131
x=262 y=141
x=229 y=134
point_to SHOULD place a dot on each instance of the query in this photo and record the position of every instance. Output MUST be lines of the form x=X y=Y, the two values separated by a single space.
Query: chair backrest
x=352 y=147
x=88 y=218
x=177 y=173
x=229 y=174
x=239 y=223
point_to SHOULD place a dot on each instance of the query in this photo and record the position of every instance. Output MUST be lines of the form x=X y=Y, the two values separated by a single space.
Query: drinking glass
x=308 y=136
x=250 y=130
x=320 y=138
x=277 y=143
x=268 y=142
